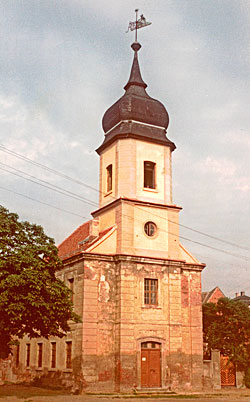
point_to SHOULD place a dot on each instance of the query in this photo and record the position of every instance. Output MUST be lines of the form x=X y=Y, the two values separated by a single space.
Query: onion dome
x=136 y=114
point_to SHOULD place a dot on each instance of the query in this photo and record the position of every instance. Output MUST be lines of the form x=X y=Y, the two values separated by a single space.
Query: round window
x=150 y=229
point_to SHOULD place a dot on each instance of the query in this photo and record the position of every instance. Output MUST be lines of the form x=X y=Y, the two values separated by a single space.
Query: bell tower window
x=109 y=178
x=149 y=175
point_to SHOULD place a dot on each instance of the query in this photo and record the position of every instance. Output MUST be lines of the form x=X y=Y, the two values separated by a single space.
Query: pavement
x=231 y=395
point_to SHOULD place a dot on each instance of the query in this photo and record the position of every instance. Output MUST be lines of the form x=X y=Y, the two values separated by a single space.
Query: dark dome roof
x=136 y=104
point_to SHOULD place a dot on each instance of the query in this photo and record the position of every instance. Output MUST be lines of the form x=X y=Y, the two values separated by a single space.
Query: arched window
x=149 y=174
x=109 y=178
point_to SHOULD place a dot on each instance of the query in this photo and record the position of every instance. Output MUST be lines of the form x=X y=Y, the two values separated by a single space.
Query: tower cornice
x=118 y=201
x=137 y=130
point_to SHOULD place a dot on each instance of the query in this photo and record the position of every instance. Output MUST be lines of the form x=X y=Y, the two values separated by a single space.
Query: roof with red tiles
x=213 y=296
x=79 y=241
x=71 y=243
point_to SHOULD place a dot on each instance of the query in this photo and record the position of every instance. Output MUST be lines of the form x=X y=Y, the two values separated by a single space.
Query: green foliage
x=226 y=327
x=32 y=300
x=246 y=379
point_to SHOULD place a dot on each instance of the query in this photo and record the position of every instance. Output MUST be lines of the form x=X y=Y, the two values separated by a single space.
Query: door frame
x=162 y=342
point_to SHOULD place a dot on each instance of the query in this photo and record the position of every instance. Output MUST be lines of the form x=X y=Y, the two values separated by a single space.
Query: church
x=136 y=288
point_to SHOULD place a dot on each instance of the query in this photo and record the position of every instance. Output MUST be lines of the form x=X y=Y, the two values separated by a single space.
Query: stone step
x=154 y=391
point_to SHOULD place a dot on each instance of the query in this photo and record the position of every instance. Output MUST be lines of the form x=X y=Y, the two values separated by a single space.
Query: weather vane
x=135 y=25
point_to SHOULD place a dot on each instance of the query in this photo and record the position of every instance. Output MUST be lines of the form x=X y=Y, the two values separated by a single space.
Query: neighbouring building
x=213 y=296
x=219 y=371
x=241 y=296
x=137 y=289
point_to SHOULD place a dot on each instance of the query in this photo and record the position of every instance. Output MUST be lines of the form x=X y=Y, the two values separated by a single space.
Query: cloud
x=26 y=130
x=222 y=168
x=243 y=184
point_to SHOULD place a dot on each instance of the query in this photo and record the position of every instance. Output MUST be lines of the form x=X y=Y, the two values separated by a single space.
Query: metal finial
x=135 y=25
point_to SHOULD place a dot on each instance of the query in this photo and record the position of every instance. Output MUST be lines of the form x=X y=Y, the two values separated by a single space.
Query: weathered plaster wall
x=119 y=321
x=106 y=347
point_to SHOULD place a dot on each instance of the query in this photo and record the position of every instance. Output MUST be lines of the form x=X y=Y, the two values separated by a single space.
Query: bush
x=246 y=379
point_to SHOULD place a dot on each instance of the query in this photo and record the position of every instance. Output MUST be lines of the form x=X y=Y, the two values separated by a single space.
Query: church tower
x=136 y=173
x=136 y=288
x=158 y=325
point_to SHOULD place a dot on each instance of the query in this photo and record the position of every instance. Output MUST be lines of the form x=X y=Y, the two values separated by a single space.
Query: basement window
x=109 y=178
x=151 y=291
x=149 y=175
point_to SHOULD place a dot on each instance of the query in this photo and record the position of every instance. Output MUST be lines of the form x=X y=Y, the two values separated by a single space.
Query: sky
x=64 y=62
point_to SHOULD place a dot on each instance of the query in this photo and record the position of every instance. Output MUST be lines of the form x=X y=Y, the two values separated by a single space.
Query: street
x=220 y=396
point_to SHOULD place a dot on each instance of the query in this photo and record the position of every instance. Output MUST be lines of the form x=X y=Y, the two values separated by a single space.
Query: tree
x=226 y=327
x=32 y=300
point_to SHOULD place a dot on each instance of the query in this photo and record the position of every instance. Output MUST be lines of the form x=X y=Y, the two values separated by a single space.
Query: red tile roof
x=213 y=296
x=71 y=243
x=74 y=244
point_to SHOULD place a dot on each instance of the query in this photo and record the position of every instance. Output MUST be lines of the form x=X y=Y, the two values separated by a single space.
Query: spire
x=136 y=114
x=135 y=75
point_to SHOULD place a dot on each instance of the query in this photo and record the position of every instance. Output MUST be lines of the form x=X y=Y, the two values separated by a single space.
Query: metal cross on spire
x=138 y=23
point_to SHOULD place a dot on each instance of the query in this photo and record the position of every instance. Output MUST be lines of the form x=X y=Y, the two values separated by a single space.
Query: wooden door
x=150 y=368
x=228 y=372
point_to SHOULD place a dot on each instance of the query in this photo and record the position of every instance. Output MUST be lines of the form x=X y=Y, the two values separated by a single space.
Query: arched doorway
x=150 y=364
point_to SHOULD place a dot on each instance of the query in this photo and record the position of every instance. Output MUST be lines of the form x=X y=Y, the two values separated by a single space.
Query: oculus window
x=150 y=229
